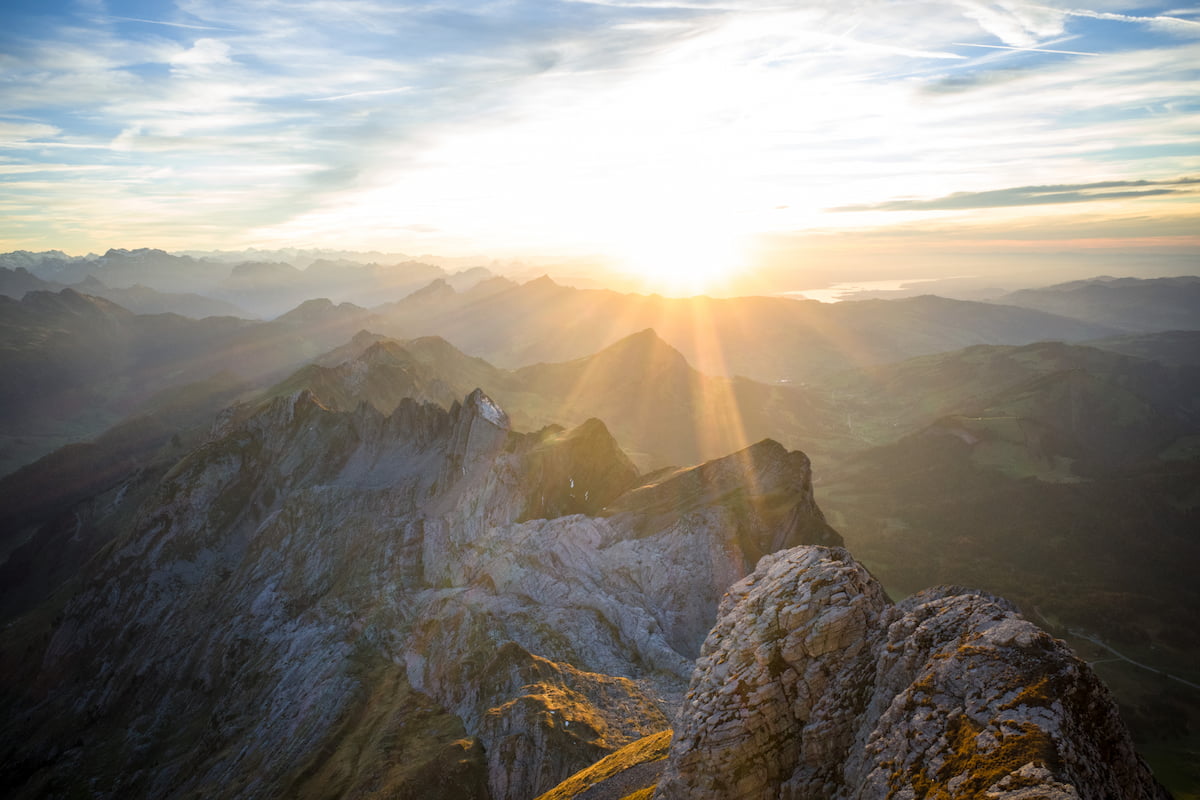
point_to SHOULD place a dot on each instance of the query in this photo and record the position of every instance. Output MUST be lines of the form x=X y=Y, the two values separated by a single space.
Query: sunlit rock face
x=812 y=685
x=422 y=604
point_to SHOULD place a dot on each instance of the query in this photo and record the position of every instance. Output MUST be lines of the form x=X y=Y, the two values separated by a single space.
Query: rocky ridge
x=814 y=685
x=319 y=602
x=428 y=604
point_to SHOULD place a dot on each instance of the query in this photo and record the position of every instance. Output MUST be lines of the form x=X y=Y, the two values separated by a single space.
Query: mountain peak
x=541 y=282
x=646 y=335
x=320 y=308
x=487 y=408
x=366 y=338
x=90 y=284
x=643 y=349
x=776 y=483
x=436 y=290
x=71 y=302
x=577 y=471
x=263 y=269
x=384 y=351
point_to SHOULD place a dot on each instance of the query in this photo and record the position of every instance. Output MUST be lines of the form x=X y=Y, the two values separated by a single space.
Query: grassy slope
x=643 y=751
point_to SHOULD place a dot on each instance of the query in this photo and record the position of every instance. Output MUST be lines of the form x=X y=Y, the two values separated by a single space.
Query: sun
x=680 y=258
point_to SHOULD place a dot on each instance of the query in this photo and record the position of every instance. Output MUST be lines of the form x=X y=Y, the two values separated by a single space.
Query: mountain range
x=154 y=281
x=543 y=321
x=317 y=602
x=1129 y=304
x=84 y=379
x=409 y=593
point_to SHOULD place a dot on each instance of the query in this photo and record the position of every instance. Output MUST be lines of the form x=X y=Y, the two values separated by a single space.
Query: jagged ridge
x=303 y=561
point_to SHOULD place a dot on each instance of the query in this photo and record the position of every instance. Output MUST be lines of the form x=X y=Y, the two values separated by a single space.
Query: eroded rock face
x=544 y=719
x=306 y=575
x=813 y=685
x=427 y=604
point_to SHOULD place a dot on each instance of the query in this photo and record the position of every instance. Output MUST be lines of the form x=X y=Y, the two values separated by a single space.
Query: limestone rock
x=321 y=602
x=812 y=685
x=306 y=573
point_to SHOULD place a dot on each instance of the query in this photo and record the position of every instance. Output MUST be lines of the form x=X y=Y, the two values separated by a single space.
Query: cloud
x=1034 y=195
x=22 y=131
x=204 y=52
x=365 y=93
x=1167 y=23
x=888 y=49
x=1015 y=22
x=547 y=119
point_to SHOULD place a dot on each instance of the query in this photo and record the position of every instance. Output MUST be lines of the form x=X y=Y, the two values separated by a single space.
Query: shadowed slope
x=1130 y=304
x=317 y=601
x=73 y=365
x=766 y=338
x=659 y=408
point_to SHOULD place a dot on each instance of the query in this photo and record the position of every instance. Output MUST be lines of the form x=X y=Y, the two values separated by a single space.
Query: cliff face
x=426 y=604
x=319 y=603
x=813 y=685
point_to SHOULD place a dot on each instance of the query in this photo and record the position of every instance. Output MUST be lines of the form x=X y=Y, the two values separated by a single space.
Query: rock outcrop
x=317 y=602
x=813 y=685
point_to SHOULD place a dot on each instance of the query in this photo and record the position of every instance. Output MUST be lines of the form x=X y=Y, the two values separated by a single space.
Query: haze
x=693 y=146
x=431 y=399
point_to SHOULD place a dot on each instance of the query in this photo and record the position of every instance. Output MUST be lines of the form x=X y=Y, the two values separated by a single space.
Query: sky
x=702 y=143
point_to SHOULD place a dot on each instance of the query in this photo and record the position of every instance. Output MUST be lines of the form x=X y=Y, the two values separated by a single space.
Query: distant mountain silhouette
x=1175 y=348
x=663 y=411
x=1063 y=477
x=143 y=300
x=262 y=288
x=765 y=338
x=885 y=402
x=16 y=282
x=1129 y=304
x=73 y=364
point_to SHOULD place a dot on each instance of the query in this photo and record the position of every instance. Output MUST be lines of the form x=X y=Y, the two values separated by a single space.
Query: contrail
x=169 y=24
x=1025 y=49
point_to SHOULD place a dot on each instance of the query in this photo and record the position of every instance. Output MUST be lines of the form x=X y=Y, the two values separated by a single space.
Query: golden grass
x=983 y=769
x=641 y=794
x=643 y=751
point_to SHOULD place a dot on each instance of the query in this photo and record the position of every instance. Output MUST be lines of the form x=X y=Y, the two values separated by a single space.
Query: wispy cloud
x=1034 y=195
x=23 y=131
x=365 y=93
x=1016 y=22
x=571 y=122
x=1167 y=22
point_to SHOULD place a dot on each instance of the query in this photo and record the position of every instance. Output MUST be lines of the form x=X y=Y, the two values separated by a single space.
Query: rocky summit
x=428 y=604
x=814 y=685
